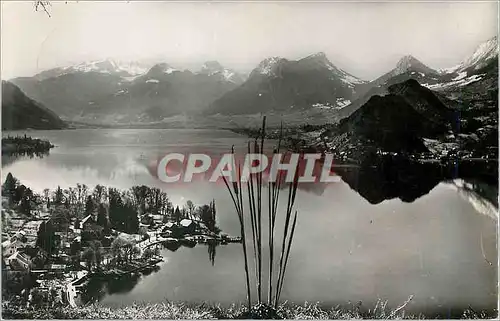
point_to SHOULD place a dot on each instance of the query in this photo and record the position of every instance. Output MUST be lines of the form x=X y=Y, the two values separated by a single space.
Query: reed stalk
x=255 y=206
x=238 y=204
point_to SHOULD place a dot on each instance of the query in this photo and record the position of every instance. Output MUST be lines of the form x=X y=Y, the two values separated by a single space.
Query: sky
x=365 y=39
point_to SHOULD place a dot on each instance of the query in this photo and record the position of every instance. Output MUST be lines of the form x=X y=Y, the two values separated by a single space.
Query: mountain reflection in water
x=383 y=179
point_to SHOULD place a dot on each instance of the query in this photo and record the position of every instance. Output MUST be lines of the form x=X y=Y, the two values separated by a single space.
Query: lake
x=434 y=245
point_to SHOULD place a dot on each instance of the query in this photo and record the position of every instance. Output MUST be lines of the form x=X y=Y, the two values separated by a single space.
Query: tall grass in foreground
x=256 y=210
x=177 y=310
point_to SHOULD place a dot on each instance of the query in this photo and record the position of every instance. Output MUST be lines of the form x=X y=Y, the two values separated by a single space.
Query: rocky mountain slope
x=470 y=70
x=278 y=84
x=396 y=122
x=162 y=92
x=409 y=118
x=408 y=67
x=485 y=52
x=22 y=112
x=70 y=93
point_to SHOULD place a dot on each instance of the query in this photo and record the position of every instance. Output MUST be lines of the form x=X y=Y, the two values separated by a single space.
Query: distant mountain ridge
x=117 y=91
x=106 y=66
x=163 y=91
x=113 y=92
x=131 y=69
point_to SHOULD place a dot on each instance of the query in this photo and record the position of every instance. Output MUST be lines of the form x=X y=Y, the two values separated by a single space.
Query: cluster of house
x=151 y=220
x=193 y=230
x=14 y=246
x=19 y=239
x=161 y=224
x=19 y=253
x=183 y=227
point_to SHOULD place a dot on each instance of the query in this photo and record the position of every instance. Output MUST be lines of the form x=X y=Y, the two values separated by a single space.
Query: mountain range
x=411 y=119
x=108 y=91
x=114 y=92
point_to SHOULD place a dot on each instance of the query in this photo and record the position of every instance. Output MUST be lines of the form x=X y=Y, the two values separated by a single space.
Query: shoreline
x=12 y=145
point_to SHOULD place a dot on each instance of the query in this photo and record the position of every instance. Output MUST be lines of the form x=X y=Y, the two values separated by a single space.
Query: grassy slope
x=170 y=310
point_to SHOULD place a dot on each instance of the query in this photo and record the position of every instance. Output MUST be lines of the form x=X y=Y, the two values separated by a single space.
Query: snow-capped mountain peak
x=320 y=60
x=319 y=56
x=212 y=68
x=317 y=61
x=103 y=66
x=411 y=64
x=484 y=52
x=406 y=63
x=268 y=65
x=162 y=68
x=350 y=79
x=107 y=66
x=134 y=68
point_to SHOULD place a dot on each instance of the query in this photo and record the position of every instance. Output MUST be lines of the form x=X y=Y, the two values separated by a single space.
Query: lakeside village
x=25 y=146
x=54 y=243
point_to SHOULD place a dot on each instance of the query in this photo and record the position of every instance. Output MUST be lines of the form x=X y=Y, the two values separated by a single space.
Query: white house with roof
x=186 y=222
x=157 y=218
x=187 y=225
x=8 y=248
x=12 y=245
x=170 y=224
x=18 y=261
x=169 y=227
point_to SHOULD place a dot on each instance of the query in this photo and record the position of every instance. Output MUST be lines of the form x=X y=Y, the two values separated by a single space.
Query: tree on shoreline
x=177 y=215
x=46 y=237
x=102 y=216
x=124 y=250
x=207 y=215
x=122 y=212
x=10 y=186
x=58 y=196
x=90 y=206
x=190 y=209
x=99 y=194
x=92 y=255
x=46 y=197
x=26 y=201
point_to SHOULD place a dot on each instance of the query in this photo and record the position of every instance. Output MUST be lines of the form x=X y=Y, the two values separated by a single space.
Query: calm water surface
x=346 y=249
